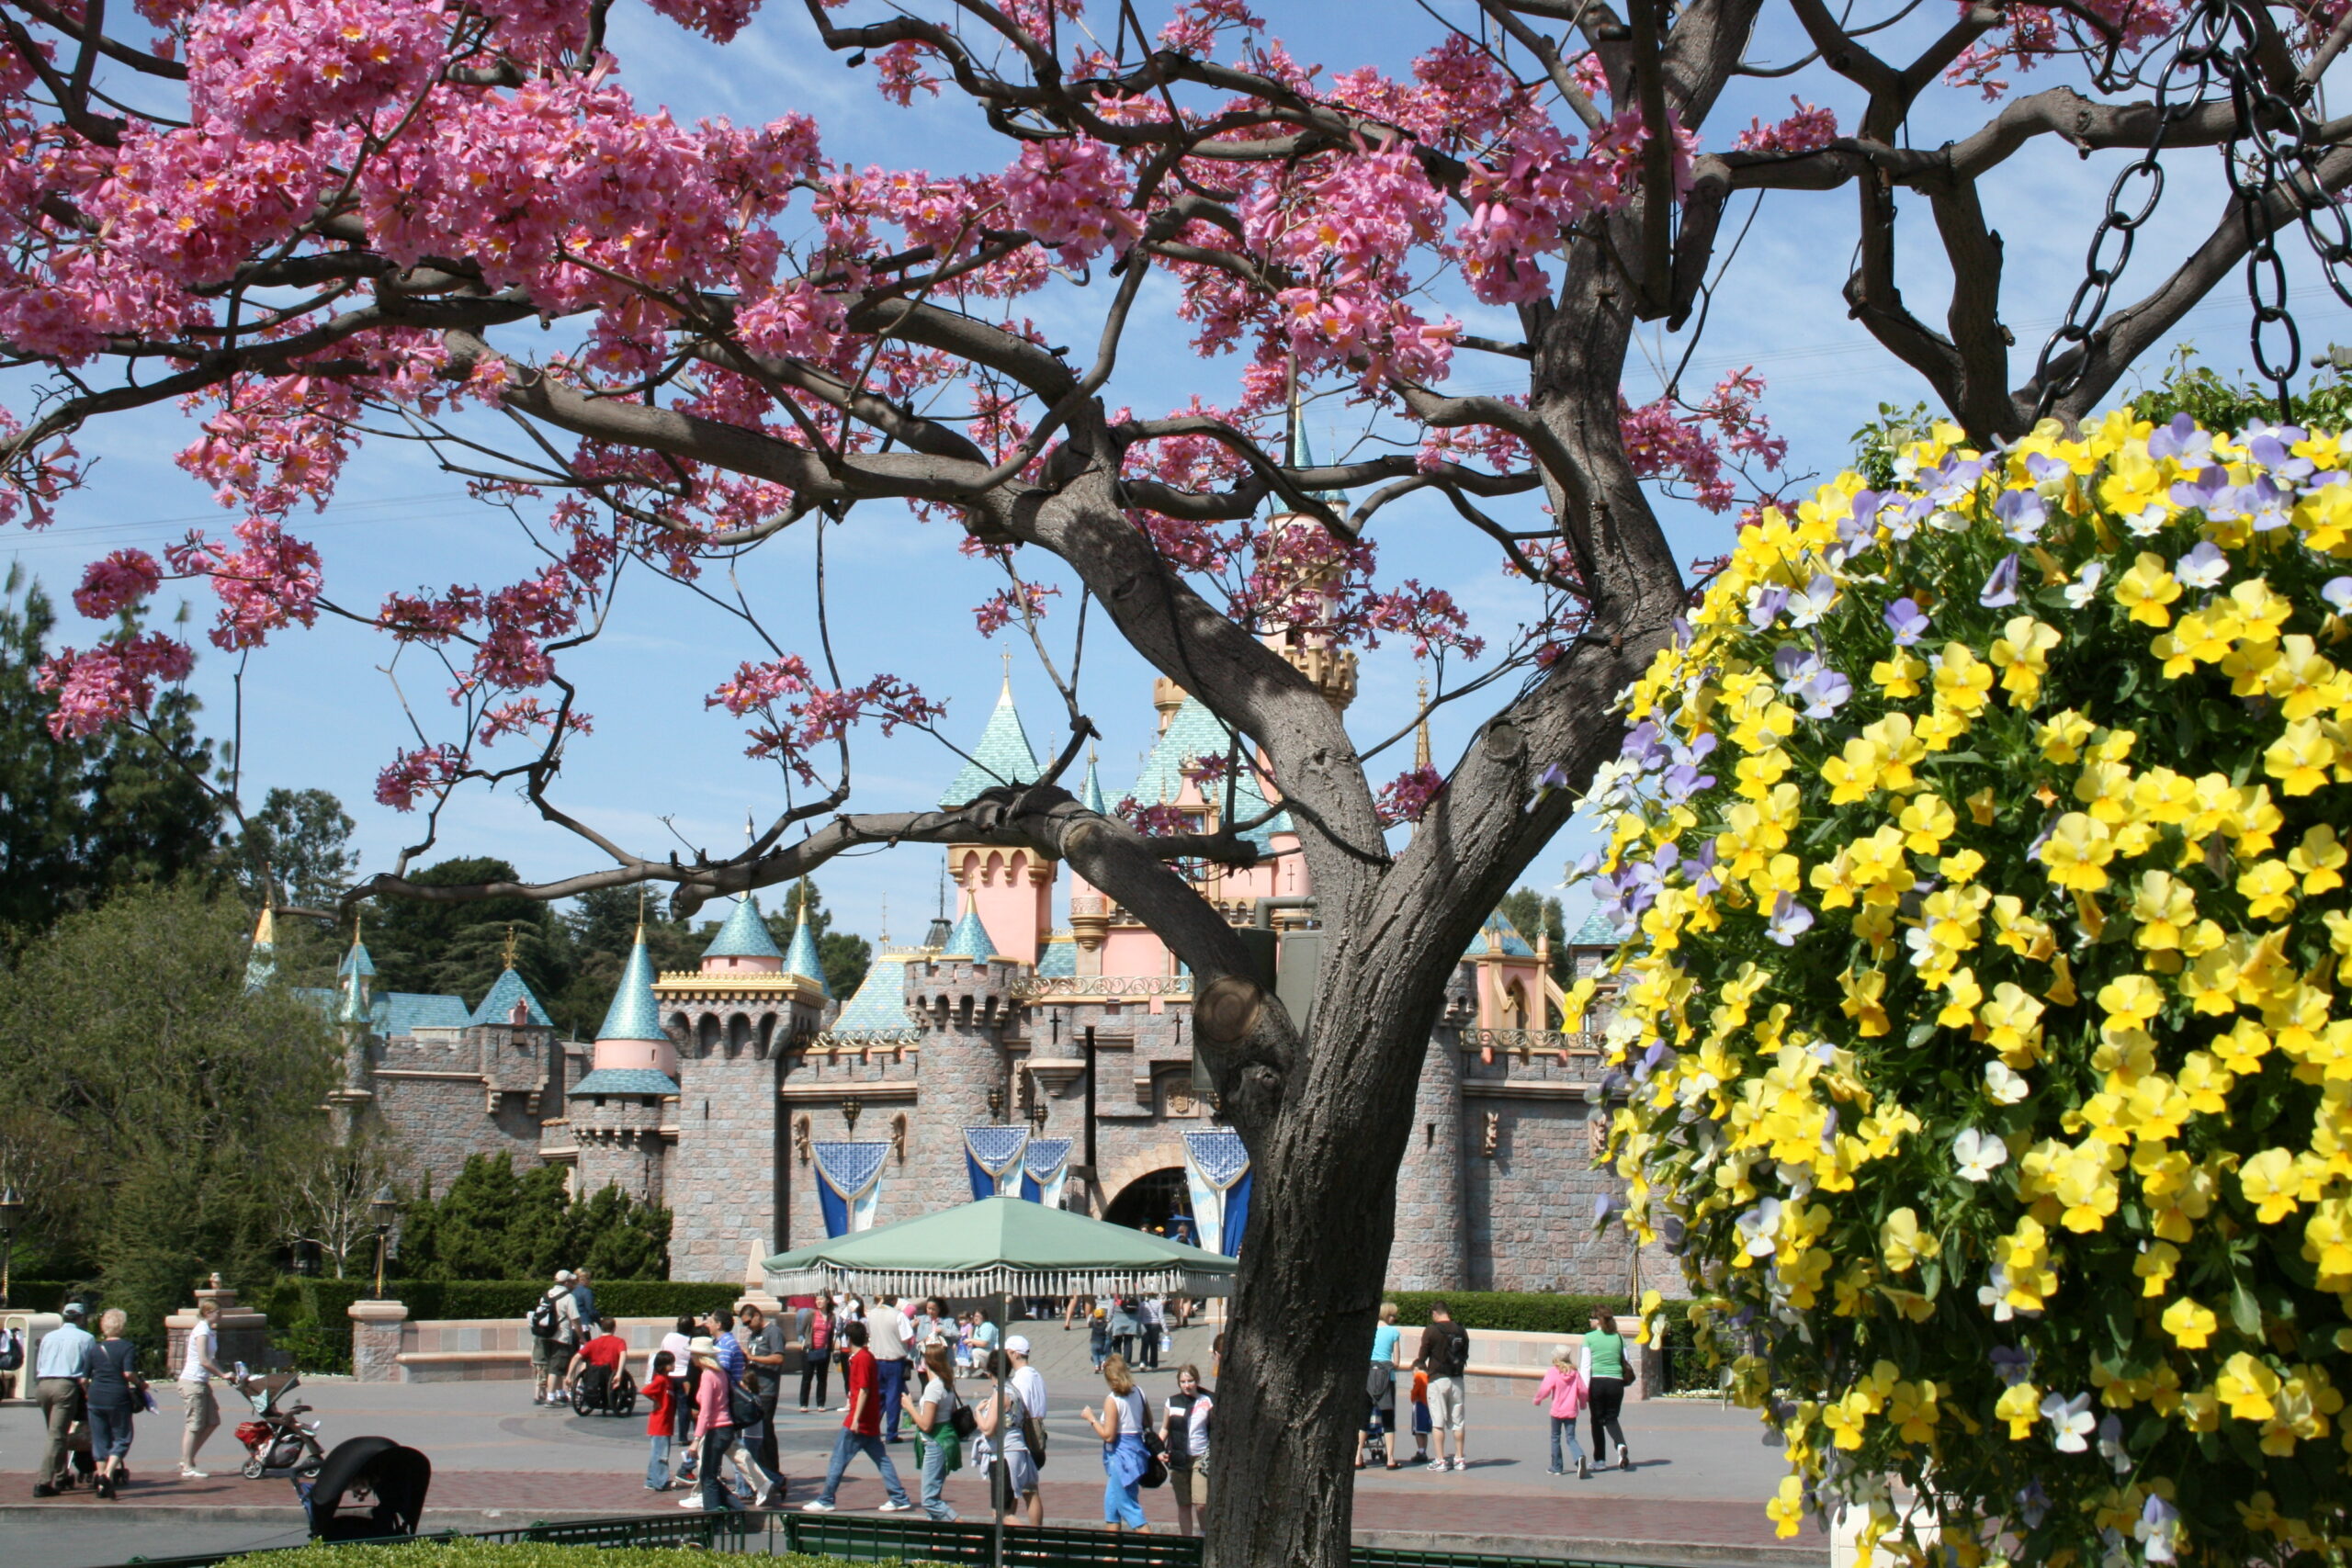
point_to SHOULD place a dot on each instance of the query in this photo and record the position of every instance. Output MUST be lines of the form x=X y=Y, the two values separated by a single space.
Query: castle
x=1005 y=1054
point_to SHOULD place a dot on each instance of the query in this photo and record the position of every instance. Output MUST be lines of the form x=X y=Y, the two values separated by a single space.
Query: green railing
x=860 y=1539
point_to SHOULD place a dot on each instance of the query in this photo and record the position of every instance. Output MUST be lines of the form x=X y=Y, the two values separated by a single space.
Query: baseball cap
x=565 y=1275
x=1017 y=1346
x=76 y=1309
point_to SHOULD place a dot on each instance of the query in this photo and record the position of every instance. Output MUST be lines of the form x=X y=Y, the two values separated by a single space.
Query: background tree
x=150 y=1093
x=495 y=1223
x=302 y=837
x=1532 y=913
x=323 y=1195
x=414 y=198
x=459 y=946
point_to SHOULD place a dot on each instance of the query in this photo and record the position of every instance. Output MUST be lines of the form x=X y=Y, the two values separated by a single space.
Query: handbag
x=743 y=1406
x=1155 y=1460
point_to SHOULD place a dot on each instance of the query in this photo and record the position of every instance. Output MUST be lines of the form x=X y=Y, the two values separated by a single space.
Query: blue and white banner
x=849 y=1184
x=1045 y=1171
x=992 y=1157
x=1216 y=1169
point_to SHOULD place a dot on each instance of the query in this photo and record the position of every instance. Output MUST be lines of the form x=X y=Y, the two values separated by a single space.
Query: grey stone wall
x=1529 y=1208
x=730 y=1158
x=439 y=1121
x=966 y=1007
x=1431 y=1238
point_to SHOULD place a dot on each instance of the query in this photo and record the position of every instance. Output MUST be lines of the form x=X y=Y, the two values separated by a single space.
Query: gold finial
x=1421 y=726
x=1006 y=695
x=510 y=944
x=886 y=922
x=640 y=911
x=358 y=916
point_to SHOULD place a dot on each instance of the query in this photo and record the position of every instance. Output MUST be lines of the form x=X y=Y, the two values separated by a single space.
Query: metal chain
x=2274 y=143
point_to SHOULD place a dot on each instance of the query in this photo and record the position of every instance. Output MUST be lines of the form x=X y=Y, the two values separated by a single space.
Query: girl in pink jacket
x=1564 y=1387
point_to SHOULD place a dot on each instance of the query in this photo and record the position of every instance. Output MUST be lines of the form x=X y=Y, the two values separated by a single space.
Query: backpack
x=544 y=1319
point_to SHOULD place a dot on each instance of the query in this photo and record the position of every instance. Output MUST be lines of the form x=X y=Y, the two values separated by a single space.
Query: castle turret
x=1013 y=889
x=744 y=945
x=632 y=1038
x=354 y=1018
x=964 y=1000
x=261 y=964
x=802 y=960
x=618 y=1112
x=1432 y=1249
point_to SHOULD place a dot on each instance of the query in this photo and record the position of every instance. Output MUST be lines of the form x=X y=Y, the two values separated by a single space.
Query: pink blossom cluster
x=2036 y=33
x=719 y=20
x=117 y=582
x=280 y=67
x=420 y=770
x=1459 y=96
x=1524 y=204
x=1073 y=196
x=902 y=70
x=799 y=320
x=1808 y=129
x=271 y=583
x=111 y=683
x=1007 y=605
x=1160 y=819
x=799 y=714
x=1703 y=447
x=1408 y=796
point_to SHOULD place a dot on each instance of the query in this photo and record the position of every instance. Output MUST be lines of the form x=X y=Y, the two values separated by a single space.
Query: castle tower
x=1305 y=646
x=261 y=965
x=802 y=961
x=733 y=1020
x=1012 y=889
x=355 y=1019
x=963 y=999
x=619 y=1109
x=1432 y=1248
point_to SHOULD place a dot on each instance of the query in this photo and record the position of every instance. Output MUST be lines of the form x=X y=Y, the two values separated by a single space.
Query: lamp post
x=384 y=1205
x=12 y=1208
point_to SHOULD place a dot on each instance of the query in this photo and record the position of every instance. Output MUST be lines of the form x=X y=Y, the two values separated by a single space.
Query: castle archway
x=1157 y=1201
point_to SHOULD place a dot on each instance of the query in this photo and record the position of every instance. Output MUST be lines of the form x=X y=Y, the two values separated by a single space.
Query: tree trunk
x=1322 y=1215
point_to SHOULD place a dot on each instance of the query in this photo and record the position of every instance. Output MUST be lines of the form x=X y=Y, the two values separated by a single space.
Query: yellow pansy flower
x=2129 y=1000
x=2012 y=1021
x=2022 y=655
x=1899 y=674
x=1899 y=749
x=2268 y=888
x=2154 y=1266
x=2190 y=1325
x=2077 y=851
x=2061 y=735
x=2145 y=589
x=2272 y=1184
x=1926 y=822
x=1786 y=1510
x=1901 y=1242
x=2246 y=1386
x=1962 y=680
x=2164 y=908
x=2021 y=1406
x=2299 y=758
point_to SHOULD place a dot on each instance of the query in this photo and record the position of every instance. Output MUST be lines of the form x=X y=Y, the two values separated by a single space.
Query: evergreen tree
x=457 y=948
x=302 y=838
x=40 y=776
x=496 y=1223
x=1532 y=913
x=150 y=817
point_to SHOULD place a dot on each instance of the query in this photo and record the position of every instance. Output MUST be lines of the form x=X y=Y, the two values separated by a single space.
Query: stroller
x=599 y=1391
x=276 y=1438
x=367 y=1489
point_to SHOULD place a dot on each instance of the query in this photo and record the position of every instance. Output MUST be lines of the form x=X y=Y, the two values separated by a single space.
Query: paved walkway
x=1697 y=1493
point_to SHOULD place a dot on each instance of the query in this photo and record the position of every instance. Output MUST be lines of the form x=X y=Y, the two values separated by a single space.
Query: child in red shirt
x=661 y=1390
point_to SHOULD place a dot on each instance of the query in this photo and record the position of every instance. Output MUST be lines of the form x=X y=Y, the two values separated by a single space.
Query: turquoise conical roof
x=498 y=1005
x=357 y=962
x=969 y=939
x=878 y=1013
x=1002 y=757
x=803 y=960
x=261 y=963
x=1193 y=733
x=1089 y=793
x=355 y=1008
x=634 y=1015
x=745 y=934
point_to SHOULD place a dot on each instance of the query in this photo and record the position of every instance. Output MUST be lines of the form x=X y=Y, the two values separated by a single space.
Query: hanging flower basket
x=1978 y=850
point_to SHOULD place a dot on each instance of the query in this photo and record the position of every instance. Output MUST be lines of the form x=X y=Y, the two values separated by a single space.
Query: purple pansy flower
x=1907 y=621
x=2338 y=594
x=2001 y=589
x=1790 y=921
x=2021 y=514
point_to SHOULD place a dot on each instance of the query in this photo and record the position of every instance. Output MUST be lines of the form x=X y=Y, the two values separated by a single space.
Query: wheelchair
x=597 y=1392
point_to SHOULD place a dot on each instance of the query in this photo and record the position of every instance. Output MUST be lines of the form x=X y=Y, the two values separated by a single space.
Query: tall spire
x=802 y=959
x=1089 y=793
x=634 y=1014
x=1422 y=726
x=261 y=965
x=1002 y=757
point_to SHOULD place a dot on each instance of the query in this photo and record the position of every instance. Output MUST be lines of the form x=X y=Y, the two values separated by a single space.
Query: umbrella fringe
x=998 y=1282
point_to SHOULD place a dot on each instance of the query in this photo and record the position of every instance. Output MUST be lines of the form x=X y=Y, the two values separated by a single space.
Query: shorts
x=1382 y=1416
x=548 y=1355
x=202 y=1414
x=1421 y=1418
x=1183 y=1479
x=1020 y=1472
x=1449 y=1407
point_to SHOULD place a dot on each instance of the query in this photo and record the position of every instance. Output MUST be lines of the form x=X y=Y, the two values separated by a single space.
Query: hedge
x=42 y=1296
x=1526 y=1311
x=464 y=1553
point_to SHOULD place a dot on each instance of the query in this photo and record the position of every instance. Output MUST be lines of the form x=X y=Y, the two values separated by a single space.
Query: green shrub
x=464 y=1553
x=1526 y=1311
x=40 y=1295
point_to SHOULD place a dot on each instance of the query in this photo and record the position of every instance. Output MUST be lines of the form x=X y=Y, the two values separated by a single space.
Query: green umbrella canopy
x=1000 y=1246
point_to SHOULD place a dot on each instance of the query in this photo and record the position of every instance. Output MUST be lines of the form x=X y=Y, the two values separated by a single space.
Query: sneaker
x=1556 y=1470
x=691 y=1501
x=1461 y=1464
x=894 y=1507
x=187 y=1474
x=770 y=1499
x=816 y=1506
x=1439 y=1464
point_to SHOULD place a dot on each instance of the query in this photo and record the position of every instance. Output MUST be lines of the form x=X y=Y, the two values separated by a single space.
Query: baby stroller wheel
x=254 y=1469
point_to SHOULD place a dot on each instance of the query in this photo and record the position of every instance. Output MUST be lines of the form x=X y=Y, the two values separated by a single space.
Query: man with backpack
x=554 y=1325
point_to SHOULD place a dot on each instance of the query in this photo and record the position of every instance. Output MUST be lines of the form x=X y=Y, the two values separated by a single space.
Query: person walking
x=764 y=1349
x=1445 y=1352
x=1122 y=1329
x=1030 y=1384
x=813 y=1328
x=936 y=1445
x=1003 y=1422
x=861 y=1430
x=1120 y=1423
x=1149 y=1317
x=583 y=1297
x=1563 y=1389
x=555 y=1339
x=885 y=1341
x=1380 y=1388
x=661 y=1419
x=714 y=1422
x=112 y=1395
x=1185 y=1426
x=1098 y=1337
x=852 y=1311
x=682 y=1396
x=757 y=1485
x=59 y=1370
x=1604 y=1370
x=201 y=1416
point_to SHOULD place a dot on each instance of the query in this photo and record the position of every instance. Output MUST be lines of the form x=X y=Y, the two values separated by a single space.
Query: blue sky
x=320 y=708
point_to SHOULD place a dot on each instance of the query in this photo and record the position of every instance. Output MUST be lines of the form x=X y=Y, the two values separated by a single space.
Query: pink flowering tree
x=303 y=221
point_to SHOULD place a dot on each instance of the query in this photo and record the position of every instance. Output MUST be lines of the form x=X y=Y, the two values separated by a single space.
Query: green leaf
x=2244 y=1312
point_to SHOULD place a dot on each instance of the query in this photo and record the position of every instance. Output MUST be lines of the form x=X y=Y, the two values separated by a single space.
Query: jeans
x=764 y=1441
x=109 y=1431
x=849 y=1443
x=819 y=1365
x=1608 y=1399
x=715 y=1444
x=936 y=1452
x=1566 y=1426
x=656 y=1464
x=893 y=1378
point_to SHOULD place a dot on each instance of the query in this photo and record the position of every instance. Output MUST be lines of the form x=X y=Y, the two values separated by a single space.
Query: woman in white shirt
x=1120 y=1425
x=934 y=1418
x=1184 y=1423
x=196 y=1372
